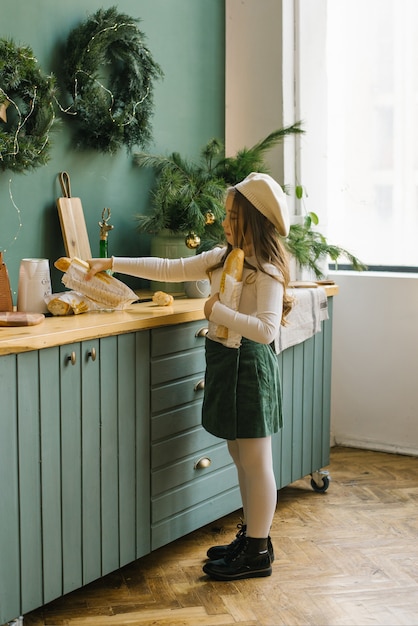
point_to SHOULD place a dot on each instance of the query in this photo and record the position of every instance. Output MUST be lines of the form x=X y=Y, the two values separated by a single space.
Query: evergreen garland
x=110 y=44
x=28 y=96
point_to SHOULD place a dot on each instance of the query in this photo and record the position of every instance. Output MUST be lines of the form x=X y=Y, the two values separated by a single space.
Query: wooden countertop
x=58 y=330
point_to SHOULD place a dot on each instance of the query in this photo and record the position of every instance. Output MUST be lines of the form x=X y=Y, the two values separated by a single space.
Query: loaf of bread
x=69 y=303
x=162 y=299
x=57 y=306
x=233 y=268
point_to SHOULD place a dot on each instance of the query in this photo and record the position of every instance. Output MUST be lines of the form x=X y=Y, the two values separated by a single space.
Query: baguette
x=64 y=262
x=234 y=266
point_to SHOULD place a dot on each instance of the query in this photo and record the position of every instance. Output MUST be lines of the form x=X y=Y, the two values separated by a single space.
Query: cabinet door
x=125 y=454
x=30 y=545
x=127 y=441
x=71 y=494
x=90 y=358
x=29 y=455
x=50 y=437
x=303 y=444
x=9 y=509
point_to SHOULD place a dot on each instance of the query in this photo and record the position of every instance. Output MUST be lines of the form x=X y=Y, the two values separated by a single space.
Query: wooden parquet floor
x=346 y=557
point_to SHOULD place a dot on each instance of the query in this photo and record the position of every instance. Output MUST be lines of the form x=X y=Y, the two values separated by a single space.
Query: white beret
x=268 y=197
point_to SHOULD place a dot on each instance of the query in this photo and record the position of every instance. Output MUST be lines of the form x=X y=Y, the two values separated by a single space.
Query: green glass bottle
x=105 y=227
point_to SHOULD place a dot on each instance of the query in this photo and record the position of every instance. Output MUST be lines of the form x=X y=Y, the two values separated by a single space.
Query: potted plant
x=311 y=250
x=188 y=198
x=188 y=201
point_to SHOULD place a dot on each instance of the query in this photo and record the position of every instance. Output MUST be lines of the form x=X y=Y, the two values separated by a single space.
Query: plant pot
x=300 y=272
x=168 y=245
x=297 y=272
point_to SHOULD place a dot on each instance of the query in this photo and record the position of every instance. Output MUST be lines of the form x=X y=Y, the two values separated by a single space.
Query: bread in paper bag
x=106 y=291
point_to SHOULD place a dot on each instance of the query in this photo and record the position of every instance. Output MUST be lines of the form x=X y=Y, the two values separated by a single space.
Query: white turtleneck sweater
x=260 y=308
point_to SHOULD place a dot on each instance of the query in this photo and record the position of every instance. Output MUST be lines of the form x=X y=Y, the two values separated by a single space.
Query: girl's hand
x=98 y=265
x=207 y=309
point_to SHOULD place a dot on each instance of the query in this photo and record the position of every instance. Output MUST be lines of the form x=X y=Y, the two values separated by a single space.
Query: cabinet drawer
x=171 y=339
x=189 y=469
x=194 y=517
x=181 y=446
x=177 y=366
x=176 y=420
x=191 y=494
x=177 y=393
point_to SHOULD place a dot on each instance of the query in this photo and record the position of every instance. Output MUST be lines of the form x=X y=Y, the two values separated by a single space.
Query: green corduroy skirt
x=242 y=391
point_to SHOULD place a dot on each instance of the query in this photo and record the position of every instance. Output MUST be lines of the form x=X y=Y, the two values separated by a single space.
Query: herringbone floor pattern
x=346 y=557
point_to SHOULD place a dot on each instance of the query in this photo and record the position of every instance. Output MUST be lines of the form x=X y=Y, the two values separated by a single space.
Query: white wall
x=374 y=402
x=259 y=78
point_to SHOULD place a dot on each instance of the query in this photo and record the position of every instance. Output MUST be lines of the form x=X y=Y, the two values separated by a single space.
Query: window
x=372 y=129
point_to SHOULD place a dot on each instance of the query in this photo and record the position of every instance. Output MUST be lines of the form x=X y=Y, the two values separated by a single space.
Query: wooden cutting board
x=73 y=224
x=16 y=318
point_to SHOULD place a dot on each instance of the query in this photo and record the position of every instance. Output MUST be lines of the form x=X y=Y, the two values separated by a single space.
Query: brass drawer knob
x=202 y=332
x=72 y=358
x=202 y=463
x=200 y=385
x=92 y=354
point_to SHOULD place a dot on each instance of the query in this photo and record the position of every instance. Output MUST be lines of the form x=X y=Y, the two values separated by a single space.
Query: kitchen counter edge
x=61 y=330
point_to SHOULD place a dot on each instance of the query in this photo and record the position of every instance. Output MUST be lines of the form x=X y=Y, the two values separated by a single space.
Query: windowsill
x=334 y=274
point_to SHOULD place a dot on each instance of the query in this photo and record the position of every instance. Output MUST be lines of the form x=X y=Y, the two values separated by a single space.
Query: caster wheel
x=318 y=487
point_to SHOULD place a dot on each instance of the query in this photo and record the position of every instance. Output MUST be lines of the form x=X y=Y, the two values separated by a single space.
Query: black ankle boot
x=219 y=552
x=249 y=560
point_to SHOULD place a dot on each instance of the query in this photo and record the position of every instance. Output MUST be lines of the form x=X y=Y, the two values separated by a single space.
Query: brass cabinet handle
x=92 y=354
x=202 y=463
x=72 y=358
x=200 y=385
x=202 y=332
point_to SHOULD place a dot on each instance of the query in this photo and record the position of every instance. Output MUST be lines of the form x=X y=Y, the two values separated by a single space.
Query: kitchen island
x=102 y=455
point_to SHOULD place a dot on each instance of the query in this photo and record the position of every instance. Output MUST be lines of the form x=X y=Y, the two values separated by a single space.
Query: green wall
x=186 y=38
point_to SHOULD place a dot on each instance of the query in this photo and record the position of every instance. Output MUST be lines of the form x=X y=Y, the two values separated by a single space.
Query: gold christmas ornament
x=192 y=240
x=209 y=218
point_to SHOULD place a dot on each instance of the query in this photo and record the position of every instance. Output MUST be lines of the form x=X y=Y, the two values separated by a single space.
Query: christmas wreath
x=26 y=109
x=118 y=114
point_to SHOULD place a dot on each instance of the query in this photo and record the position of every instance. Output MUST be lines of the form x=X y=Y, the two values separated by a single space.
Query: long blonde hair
x=266 y=243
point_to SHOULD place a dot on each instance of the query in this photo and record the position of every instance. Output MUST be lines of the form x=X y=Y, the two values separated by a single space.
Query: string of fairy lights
x=19 y=217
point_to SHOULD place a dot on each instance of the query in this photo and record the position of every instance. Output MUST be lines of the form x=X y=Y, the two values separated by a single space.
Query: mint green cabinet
x=74 y=467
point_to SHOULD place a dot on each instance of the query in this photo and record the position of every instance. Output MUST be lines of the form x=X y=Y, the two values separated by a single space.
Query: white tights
x=254 y=463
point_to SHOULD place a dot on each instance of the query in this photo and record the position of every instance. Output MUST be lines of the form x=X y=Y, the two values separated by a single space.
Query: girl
x=242 y=400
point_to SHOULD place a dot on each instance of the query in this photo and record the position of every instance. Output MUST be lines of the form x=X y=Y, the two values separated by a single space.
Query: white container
x=197 y=288
x=34 y=285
